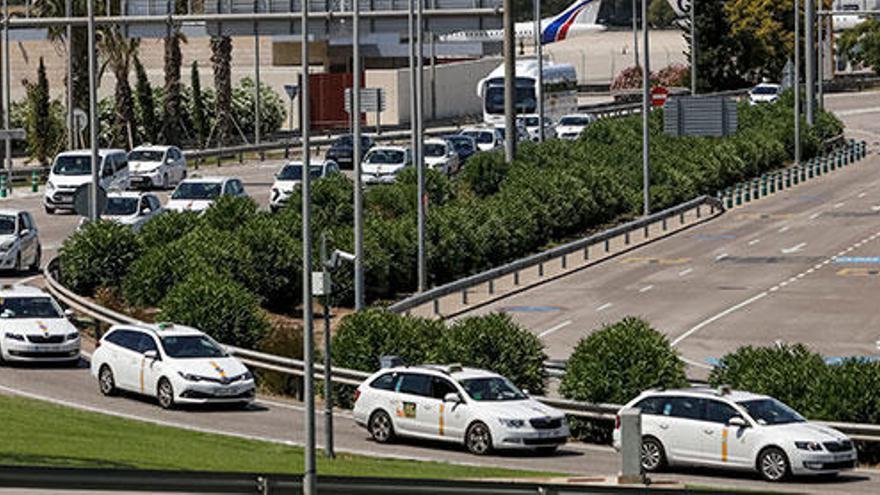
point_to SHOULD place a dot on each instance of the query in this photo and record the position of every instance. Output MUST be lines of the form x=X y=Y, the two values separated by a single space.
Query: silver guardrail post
x=631 y=446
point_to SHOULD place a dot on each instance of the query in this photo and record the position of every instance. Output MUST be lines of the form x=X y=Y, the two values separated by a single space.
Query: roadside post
x=631 y=447
x=321 y=287
x=9 y=135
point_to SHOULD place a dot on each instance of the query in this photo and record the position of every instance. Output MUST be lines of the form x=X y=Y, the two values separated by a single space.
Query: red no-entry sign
x=659 y=95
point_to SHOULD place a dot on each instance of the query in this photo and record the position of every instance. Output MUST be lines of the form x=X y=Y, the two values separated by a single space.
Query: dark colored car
x=464 y=146
x=342 y=149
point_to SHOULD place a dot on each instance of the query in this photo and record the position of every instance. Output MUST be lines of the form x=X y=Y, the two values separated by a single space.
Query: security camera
x=338 y=256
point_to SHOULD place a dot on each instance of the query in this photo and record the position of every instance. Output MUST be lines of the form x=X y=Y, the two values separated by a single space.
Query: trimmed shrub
x=230 y=212
x=97 y=255
x=484 y=172
x=850 y=391
x=276 y=258
x=616 y=363
x=218 y=306
x=495 y=342
x=167 y=227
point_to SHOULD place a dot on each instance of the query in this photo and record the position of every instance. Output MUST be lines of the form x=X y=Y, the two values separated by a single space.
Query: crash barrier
x=461 y=295
x=839 y=156
x=156 y=481
x=296 y=367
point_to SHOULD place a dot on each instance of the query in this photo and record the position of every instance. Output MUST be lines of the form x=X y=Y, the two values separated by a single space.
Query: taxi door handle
x=709 y=432
x=664 y=426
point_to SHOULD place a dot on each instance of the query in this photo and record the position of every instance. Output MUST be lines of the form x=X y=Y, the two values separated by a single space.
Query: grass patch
x=36 y=433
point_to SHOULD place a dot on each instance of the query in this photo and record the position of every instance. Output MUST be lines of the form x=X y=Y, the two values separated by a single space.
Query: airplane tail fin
x=579 y=12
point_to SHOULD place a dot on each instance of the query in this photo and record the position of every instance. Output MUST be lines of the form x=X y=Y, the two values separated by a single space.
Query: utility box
x=631 y=446
x=714 y=116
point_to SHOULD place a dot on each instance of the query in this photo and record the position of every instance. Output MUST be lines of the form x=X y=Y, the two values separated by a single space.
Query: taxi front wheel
x=381 y=428
x=165 y=394
x=653 y=455
x=106 y=382
x=479 y=439
x=773 y=464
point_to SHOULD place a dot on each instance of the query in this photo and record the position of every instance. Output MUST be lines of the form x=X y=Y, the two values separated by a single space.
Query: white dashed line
x=815 y=216
x=721 y=256
x=794 y=249
x=646 y=288
x=685 y=272
x=554 y=329
x=754 y=241
x=862 y=195
x=717 y=317
x=875 y=208
x=783 y=229
x=604 y=307
x=838 y=205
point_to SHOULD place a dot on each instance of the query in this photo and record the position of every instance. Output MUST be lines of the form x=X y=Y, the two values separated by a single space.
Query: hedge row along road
x=798 y=266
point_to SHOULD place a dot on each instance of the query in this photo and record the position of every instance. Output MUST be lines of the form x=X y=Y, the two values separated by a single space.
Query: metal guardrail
x=271 y=484
x=462 y=285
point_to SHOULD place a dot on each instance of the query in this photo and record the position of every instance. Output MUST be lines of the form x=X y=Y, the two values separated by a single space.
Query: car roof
x=208 y=178
x=455 y=371
x=578 y=115
x=21 y=291
x=478 y=129
x=102 y=152
x=127 y=194
x=162 y=329
x=389 y=148
x=10 y=211
x=435 y=141
x=153 y=147
x=312 y=163
x=707 y=392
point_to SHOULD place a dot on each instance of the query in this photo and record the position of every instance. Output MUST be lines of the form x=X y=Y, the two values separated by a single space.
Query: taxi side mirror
x=738 y=422
x=152 y=355
x=452 y=397
x=68 y=313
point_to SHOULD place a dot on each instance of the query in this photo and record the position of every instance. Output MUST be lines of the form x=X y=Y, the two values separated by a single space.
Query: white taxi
x=34 y=327
x=156 y=166
x=173 y=363
x=383 y=164
x=289 y=178
x=132 y=209
x=478 y=408
x=737 y=430
x=199 y=193
x=571 y=127
x=20 y=247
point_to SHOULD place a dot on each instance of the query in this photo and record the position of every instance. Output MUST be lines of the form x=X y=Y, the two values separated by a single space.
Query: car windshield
x=482 y=137
x=294 y=172
x=145 y=156
x=435 y=149
x=771 y=412
x=764 y=90
x=121 y=206
x=530 y=121
x=29 y=307
x=574 y=121
x=7 y=225
x=73 y=165
x=385 y=157
x=491 y=389
x=191 y=346
x=197 y=190
x=462 y=144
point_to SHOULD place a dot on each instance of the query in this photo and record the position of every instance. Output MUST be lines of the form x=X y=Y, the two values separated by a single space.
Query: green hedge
x=98 y=255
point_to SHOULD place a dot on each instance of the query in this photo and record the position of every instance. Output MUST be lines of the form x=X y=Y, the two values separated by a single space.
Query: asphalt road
x=754 y=275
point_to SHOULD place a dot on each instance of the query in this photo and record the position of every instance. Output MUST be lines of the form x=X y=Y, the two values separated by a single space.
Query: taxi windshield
x=771 y=412
x=29 y=307
x=491 y=389
x=191 y=346
x=7 y=225
x=197 y=190
x=73 y=165
x=146 y=156
x=120 y=206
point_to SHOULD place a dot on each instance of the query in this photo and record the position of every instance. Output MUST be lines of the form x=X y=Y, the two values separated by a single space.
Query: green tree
x=145 y=103
x=198 y=106
x=221 y=58
x=45 y=127
x=119 y=51
x=172 y=114
x=718 y=49
x=862 y=44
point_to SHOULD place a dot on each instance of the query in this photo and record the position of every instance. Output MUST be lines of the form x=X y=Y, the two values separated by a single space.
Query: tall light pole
x=820 y=79
x=646 y=112
x=635 y=10
x=693 y=47
x=810 y=55
x=309 y=468
x=93 y=114
x=539 y=53
x=797 y=82
x=509 y=84
x=356 y=158
x=71 y=136
x=420 y=159
x=6 y=87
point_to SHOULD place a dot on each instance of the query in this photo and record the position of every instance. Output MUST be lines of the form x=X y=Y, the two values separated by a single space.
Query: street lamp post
x=420 y=159
x=810 y=56
x=356 y=158
x=797 y=82
x=693 y=47
x=539 y=53
x=509 y=84
x=93 y=113
x=646 y=112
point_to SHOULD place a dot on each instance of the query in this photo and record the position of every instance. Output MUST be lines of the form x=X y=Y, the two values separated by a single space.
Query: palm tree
x=172 y=128
x=221 y=58
x=119 y=53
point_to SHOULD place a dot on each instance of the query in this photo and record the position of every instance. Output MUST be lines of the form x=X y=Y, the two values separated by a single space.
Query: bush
x=790 y=373
x=97 y=255
x=167 y=227
x=495 y=342
x=616 y=363
x=230 y=212
x=276 y=258
x=219 y=306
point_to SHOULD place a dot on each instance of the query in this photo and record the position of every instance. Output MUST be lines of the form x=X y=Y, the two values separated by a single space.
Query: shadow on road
x=820 y=480
x=459 y=447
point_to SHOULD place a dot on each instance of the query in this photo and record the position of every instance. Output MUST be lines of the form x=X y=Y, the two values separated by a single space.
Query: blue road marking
x=530 y=309
x=857 y=259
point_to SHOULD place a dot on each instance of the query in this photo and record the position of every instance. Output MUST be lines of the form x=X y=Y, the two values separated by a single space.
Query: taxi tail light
x=357 y=394
x=97 y=343
x=617 y=422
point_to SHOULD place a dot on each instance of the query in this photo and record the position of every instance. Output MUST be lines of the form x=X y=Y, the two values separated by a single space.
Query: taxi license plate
x=841 y=457
x=227 y=392
x=43 y=348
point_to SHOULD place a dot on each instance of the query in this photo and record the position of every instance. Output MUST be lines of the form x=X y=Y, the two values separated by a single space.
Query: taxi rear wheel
x=106 y=382
x=165 y=394
x=479 y=439
x=653 y=456
x=773 y=464
x=381 y=428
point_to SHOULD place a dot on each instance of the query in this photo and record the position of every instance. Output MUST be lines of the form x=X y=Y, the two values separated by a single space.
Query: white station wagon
x=477 y=408
x=736 y=430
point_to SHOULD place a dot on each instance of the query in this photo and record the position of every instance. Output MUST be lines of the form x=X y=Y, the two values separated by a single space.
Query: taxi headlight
x=811 y=446
x=73 y=336
x=247 y=375
x=50 y=186
x=6 y=246
x=190 y=378
x=512 y=423
x=15 y=336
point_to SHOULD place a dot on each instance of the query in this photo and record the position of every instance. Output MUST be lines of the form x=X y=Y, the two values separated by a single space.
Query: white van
x=72 y=169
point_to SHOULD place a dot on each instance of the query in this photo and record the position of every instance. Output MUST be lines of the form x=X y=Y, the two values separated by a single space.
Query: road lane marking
x=862 y=195
x=685 y=272
x=753 y=242
x=656 y=261
x=708 y=321
x=554 y=329
x=695 y=363
x=783 y=229
x=721 y=256
x=794 y=249
x=815 y=216
x=838 y=205
x=604 y=307
x=646 y=288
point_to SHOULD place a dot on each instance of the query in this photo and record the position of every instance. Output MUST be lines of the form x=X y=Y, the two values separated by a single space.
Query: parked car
x=20 y=247
x=175 y=364
x=571 y=126
x=440 y=155
x=290 y=177
x=735 y=430
x=477 y=408
x=765 y=93
x=383 y=163
x=156 y=166
x=35 y=328
x=465 y=146
x=342 y=149
x=199 y=193
x=487 y=138
x=130 y=208
x=531 y=123
x=72 y=169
